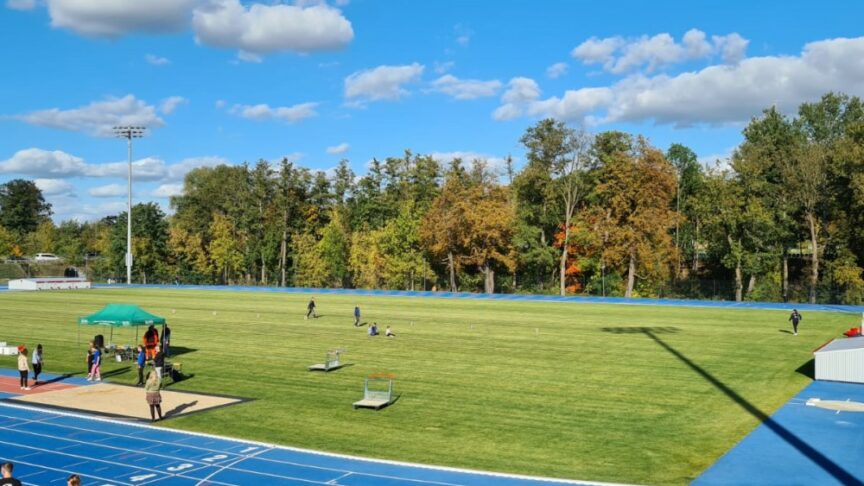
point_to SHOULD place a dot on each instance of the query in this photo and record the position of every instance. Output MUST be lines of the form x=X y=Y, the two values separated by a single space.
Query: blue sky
x=231 y=81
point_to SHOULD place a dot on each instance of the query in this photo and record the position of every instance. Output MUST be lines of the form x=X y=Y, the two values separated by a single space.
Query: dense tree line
x=603 y=213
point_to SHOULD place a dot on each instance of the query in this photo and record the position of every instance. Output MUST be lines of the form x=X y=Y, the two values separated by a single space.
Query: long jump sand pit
x=125 y=401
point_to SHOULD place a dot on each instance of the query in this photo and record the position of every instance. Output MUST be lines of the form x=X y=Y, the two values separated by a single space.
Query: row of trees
x=603 y=213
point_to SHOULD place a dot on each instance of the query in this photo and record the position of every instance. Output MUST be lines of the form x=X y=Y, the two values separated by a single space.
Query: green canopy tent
x=121 y=315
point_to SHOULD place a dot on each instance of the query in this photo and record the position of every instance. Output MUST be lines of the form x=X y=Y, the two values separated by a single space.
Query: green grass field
x=554 y=389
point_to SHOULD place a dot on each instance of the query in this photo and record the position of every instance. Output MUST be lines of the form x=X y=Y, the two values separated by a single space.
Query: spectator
x=389 y=332
x=7 y=479
x=95 y=370
x=89 y=357
x=140 y=361
x=73 y=480
x=373 y=329
x=159 y=363
x=23 y=366
x=151 y=341
x=37 y=364
x=166 y=340
x=153 y=396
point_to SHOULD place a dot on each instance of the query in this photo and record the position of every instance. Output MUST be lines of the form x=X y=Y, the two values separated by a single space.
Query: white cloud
x=115 y=18
x=463 y=34
x=556 y=70
x=465 y=89
x=259 y=29
x=21 y=4
x=54 y=187
x=221 y=104
x=168 y=190
x=290 y=114
x=98 y=117
x=695 y=45
x=733 y=47
x=520 y=93
x=176 y=172
x=110 y=190
x=43 y=163
x=619 y=55
x=170 y=104
x=596 y=51
x=66 y=208
x=495 y=163
x=714 y=95
x=157 y=60
x=338 y=149
x=443 y=67
x=382 y=82
x=148 y=169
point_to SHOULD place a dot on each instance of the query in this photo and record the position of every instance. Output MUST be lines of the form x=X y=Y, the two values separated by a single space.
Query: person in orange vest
x=151 y=342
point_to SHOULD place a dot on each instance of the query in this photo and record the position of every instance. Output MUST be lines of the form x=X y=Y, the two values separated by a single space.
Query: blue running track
x=800 y=444
x=513 y=297
x=47 y=446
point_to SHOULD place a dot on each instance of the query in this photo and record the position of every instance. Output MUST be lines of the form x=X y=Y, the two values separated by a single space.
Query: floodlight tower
x=129 y=132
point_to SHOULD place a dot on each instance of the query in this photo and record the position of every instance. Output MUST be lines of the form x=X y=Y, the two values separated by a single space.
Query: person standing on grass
x=795 y=318
x=159 y=363
x=151 y=341
x=310 y=308
x=95 y=370
x=89 y=357
x=356 y=315
x=140 y=360
x=23 y=366
x=37 y=363
x=6 y=472
x=166 y=340
x=153 y=396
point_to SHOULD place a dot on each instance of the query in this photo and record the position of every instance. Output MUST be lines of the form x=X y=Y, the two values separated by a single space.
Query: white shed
x=841 y=360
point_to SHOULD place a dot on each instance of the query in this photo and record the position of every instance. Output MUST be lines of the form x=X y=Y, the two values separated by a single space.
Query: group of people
x=373 y=331
x=373 y=328
x=6 y=478
x=24 y=362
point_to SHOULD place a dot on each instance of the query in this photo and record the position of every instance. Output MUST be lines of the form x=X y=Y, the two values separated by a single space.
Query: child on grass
x=95 y=371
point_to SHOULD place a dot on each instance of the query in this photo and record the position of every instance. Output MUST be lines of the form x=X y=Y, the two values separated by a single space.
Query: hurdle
x=377 y=391
x=332 y=361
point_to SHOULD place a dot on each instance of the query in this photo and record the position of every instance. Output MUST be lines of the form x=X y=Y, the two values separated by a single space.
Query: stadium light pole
x=129 y=132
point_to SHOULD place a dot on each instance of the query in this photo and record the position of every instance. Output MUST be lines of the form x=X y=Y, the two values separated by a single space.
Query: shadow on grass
x=830 y=467
x=181 y=378
x=180 y=408
x=785 y=331
x=179 y=350
x=118 y=371
x=808 y=369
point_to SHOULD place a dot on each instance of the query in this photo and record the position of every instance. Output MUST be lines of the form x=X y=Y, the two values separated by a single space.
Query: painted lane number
x=181 y=467
x=214 y=458
x=141 y=477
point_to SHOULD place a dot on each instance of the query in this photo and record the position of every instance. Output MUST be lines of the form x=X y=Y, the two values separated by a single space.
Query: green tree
x=149 y=243
x=635 y=192
x=225 y=247
x=22 y=206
